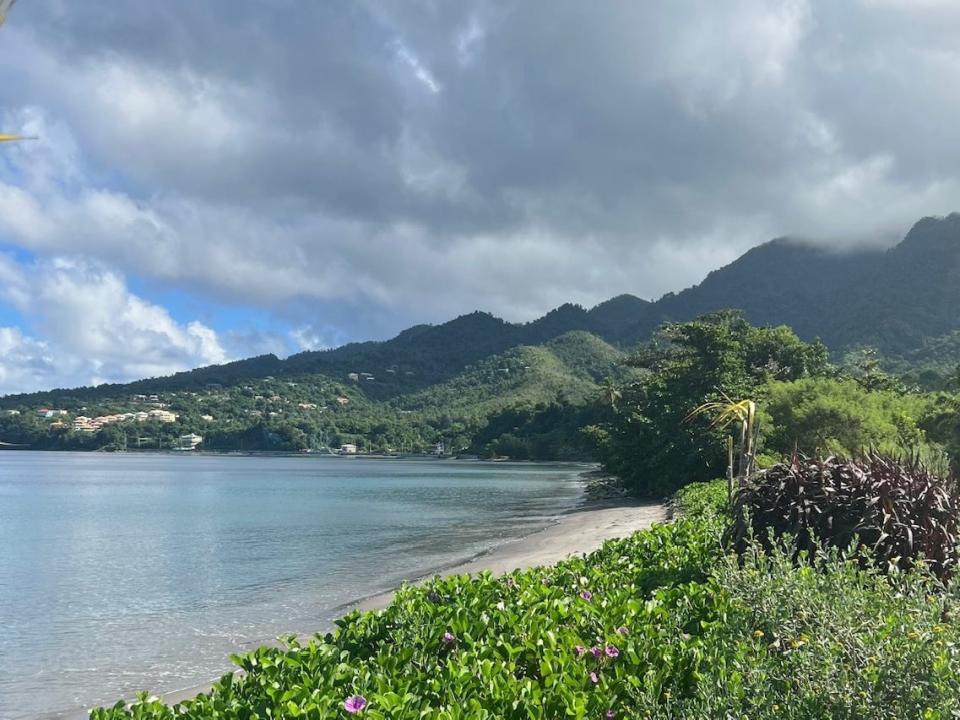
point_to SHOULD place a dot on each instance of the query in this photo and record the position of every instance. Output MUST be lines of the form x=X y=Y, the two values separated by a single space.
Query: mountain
x=570 y=366
x=900 y=301
x=537 y=395
x=782 y=282
x=911 y=298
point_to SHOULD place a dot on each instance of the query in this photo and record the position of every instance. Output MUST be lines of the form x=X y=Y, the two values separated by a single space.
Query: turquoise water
x=127 y=572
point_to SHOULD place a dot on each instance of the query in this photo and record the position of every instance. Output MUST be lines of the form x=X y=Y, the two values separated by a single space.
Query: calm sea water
x=127 y=572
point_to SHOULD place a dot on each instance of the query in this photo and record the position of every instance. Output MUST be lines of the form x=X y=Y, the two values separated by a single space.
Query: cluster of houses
x=81 y=423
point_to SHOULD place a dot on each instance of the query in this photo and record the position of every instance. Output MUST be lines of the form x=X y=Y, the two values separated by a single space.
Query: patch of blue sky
x=11 y=317
x=20 y=255
x=185 y=305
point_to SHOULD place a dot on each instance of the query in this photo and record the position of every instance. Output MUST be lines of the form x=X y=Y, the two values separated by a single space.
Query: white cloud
x=419 y=70
x=25 y=363
x=96 y=329
x=308 y=338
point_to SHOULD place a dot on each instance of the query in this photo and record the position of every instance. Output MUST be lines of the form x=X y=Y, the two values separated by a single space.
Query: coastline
x=578 y=531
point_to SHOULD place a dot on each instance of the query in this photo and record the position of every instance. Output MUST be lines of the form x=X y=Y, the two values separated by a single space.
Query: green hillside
x=313 y=411
x=570 y=366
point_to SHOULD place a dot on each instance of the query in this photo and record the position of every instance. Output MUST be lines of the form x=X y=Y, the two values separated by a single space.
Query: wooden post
x=730 y=470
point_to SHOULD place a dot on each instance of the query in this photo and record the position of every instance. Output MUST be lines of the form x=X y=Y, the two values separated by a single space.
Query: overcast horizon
x=218 y=180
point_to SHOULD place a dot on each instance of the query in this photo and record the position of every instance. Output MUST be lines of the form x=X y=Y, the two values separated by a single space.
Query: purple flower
x=587 y=595
x=610 y=715
x=612 y=651
x=579 y=650
x=593 y=678
x=596 y=652
x=354 y=704
x=623 y=630
x=449 y=637
x=511 y=582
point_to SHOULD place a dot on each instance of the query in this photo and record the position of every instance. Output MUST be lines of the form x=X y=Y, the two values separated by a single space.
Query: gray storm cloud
x=421 y=159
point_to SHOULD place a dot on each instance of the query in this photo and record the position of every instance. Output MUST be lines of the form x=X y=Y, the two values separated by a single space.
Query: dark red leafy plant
x=897 y=508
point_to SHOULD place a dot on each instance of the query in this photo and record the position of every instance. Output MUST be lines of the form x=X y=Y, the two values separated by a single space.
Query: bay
x=134 y=571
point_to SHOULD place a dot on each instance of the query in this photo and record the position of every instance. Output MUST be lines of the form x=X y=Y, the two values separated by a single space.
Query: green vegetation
x=839 y=416
x=529 y=402
x=659 y=434
x=662 y=624
x=648 y=443
x=665 y=624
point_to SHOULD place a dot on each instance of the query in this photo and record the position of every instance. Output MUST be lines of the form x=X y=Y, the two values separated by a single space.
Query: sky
x=215 y=180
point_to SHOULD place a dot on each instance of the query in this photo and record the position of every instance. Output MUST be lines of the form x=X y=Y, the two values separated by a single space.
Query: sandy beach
x=577 y=532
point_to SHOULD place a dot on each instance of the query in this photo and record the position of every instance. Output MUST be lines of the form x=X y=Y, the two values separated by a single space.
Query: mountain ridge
x=897 y=300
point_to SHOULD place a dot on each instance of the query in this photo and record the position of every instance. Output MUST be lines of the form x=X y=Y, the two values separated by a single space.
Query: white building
x=348 y=449
x=189 y=442
x=47 y=413
x=164 y=416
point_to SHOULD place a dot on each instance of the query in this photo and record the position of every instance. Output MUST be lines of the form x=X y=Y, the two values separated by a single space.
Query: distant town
x=259 y=403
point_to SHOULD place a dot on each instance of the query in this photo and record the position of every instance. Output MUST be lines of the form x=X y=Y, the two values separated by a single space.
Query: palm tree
x=726 y=412
x=611 y=394
x=5 y=6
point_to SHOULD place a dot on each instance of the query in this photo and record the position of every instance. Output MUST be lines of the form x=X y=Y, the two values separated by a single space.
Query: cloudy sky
x=219 y=179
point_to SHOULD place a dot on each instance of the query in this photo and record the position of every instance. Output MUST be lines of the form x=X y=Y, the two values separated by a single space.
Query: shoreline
x=579 y=530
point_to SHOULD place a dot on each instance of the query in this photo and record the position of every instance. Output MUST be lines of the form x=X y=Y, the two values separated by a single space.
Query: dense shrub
x=898 y=510
x=829 y=416
x=702 y=500
x=831 y=640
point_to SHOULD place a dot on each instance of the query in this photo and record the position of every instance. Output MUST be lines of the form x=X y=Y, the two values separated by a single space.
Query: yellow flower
x=758 y=633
